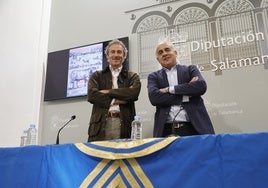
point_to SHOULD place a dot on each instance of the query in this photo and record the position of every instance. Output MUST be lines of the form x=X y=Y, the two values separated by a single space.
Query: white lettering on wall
x=233 y=64
x=228 y=41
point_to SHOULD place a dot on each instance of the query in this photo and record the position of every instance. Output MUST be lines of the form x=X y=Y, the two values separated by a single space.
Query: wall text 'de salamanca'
x=234 y=64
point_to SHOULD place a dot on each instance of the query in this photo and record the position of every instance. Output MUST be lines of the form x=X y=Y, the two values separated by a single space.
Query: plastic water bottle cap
x=32 y=125
x=137 y=117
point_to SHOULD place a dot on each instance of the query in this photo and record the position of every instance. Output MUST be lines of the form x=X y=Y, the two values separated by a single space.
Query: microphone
x=72 y=118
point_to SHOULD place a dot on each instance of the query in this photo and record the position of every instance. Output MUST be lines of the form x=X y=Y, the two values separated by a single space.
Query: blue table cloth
x=211 y=161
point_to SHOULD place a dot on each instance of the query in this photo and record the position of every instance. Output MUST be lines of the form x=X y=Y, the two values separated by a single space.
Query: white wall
x=233 y=99
x=80 y=22
x=25 y=27
x=23 y=49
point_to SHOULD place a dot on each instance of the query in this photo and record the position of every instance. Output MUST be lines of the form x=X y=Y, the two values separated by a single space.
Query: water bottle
x=136 y=128
x=32 y=135
x=24 y=139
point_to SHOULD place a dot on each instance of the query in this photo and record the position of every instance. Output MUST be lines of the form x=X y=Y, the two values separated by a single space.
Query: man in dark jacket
x=176 y=92
x=112 y=92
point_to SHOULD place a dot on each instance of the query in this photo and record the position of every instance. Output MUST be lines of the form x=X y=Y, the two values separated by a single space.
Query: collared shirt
x=115 y=74
x=177 y=113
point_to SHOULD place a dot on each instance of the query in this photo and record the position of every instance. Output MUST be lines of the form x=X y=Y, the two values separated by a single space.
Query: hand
x=117 y=101
x=105 y=91
x=194 y=79
x=164 y=90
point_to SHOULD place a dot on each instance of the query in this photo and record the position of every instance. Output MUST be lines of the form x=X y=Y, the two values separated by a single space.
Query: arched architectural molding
x=189 y=12
x=233 y=6
x=151 y=21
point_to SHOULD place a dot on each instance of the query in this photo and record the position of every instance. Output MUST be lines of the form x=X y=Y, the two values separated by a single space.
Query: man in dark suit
x=176 y=91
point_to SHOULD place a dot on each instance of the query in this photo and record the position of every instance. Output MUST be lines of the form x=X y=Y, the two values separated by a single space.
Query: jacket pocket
x=95 y=125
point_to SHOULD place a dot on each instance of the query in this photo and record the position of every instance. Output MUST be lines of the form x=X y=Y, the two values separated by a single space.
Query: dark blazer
x=195 y=108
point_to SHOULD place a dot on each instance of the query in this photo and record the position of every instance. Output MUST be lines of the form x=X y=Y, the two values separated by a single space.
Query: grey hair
x=116 y=41
x=167 y=42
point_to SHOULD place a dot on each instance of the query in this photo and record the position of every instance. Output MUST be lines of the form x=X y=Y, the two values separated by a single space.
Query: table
x=211 y=161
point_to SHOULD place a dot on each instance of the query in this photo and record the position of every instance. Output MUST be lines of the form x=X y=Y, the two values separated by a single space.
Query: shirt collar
x=118 y=69
x=172 y=69
x=115 y=72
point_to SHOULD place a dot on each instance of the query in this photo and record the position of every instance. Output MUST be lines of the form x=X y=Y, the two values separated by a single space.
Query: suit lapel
x=179 y=73
x=164 y=79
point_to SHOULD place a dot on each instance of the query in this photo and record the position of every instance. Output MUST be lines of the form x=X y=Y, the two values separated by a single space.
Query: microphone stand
x=58 y=134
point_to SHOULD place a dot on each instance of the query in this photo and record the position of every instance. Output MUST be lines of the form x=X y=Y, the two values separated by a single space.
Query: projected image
x=82 y=63
x=68 y=70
